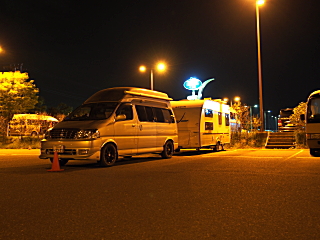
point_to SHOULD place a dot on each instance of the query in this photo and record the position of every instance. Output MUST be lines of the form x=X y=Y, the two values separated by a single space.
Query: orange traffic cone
x=55 y=164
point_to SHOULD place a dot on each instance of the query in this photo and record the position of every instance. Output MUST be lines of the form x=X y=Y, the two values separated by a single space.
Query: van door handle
x=133 y=125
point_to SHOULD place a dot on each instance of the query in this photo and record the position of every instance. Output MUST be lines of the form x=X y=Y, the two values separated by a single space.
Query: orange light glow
x=142 y=68
x=161 y=67
x=260 y=2
x=237 y=99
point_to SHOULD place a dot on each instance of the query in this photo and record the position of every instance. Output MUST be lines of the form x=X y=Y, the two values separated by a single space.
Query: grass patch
x=23 y=142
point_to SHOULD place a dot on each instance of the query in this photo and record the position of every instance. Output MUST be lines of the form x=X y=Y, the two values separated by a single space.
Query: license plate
x=59 y=148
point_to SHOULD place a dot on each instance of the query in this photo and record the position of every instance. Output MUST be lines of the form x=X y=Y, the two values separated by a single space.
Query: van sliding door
x=146 y=129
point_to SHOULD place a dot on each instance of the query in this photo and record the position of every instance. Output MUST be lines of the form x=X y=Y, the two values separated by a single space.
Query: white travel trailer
x=30 y=124
x=122 y=121
x=202 y=123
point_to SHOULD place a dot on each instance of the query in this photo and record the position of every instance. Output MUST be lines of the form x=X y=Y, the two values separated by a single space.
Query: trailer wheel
x=218 y=147
x=167 y=150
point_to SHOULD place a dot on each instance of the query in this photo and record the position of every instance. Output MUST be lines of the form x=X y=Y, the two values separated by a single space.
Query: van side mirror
x=121 y=117
x=302 y=117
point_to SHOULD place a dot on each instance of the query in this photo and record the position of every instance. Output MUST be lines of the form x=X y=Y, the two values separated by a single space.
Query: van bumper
x=72 y=150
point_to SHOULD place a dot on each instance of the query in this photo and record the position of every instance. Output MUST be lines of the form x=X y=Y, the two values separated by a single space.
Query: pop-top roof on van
x=116 y=94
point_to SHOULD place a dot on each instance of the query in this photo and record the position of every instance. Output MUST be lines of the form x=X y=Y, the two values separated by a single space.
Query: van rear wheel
x=167 y=150
x=108 y=155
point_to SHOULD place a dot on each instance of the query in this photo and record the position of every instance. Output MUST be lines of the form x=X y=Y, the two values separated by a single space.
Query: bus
x=312 y=118
x=30 y=124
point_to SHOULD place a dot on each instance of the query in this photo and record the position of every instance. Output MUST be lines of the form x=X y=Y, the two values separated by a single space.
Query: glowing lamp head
x=192 y=84
x=260 y=2
x=161 y=67
x=237 y=99
x=142 y=68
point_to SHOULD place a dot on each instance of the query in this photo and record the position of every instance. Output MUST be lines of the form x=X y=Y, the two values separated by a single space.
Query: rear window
x=286 y=113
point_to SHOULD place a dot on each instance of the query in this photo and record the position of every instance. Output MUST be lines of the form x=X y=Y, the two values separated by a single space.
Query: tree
x=60 y=111
x=243 y=116
x=17 y=94
x=297 y=112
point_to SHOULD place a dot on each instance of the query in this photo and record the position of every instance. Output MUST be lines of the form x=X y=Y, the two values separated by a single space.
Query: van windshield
x=313 y=113
x=92 y=111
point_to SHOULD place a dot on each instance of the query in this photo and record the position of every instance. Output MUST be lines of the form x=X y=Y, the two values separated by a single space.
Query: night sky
x=74 y=48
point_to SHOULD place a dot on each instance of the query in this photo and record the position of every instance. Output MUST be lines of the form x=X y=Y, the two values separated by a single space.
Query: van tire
x=62 y=161
x=108 y=156
x=167 y=150
x=315 y=152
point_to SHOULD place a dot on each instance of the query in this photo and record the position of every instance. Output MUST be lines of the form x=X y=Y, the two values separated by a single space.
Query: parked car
x=284 y=124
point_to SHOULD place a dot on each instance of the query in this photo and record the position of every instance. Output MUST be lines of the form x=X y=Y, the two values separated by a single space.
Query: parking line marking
x=293 y=155
x=239 y=156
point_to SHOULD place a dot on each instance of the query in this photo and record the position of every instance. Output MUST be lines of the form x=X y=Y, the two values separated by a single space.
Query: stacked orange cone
x=55 y=164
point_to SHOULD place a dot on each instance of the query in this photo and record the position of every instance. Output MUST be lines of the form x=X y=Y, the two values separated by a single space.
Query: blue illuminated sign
x=192 y=84
x=195 y=84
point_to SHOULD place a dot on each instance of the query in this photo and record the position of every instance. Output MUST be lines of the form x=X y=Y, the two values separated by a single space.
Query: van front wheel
x=108 y=156
x=167 y=150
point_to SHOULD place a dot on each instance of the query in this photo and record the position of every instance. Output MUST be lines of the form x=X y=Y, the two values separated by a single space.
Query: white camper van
x=202 y=123
x=122 y=121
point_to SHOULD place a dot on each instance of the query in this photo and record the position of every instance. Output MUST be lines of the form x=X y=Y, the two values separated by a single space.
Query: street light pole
x=258 y=3
x=159 y=67
x=151 y=79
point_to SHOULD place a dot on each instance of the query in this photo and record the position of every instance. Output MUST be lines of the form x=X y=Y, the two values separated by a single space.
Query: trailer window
x=227 y=119
x=208 y=112
x=220 y=118
x=208 y=126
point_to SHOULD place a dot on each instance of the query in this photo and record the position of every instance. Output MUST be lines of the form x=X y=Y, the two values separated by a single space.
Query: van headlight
x=87 y=134
x=47 y=134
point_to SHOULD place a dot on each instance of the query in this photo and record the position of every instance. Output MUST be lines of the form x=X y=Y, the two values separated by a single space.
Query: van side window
x=125 y=109
x=142 y=115
x=168 y=116
x=150 y=115
x=159 y=115
x=145 y=114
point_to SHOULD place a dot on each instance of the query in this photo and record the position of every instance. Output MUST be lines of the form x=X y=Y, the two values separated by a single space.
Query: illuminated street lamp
x=161 y=67
x=1 y=50
x=237 y=99
x=258 y=4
